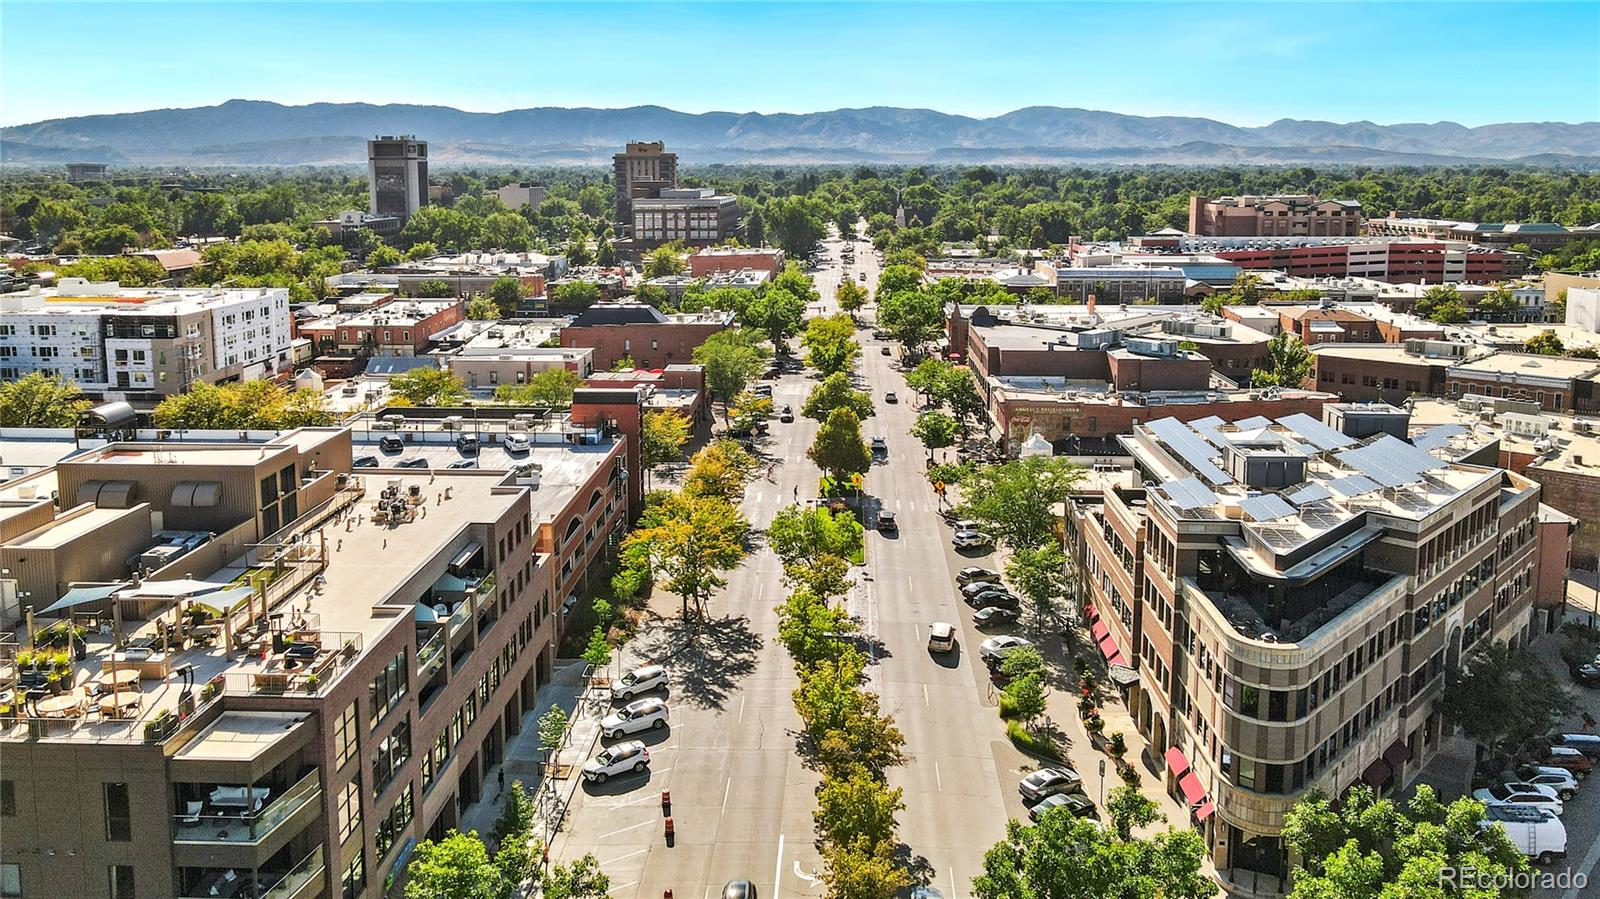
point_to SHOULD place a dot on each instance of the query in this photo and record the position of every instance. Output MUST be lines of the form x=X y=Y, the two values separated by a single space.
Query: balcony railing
x=308 y=871
x=249 y=827
x=430 y=656
x=294 y=883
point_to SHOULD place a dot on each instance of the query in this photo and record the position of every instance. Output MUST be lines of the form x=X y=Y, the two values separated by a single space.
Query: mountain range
x=254 y=132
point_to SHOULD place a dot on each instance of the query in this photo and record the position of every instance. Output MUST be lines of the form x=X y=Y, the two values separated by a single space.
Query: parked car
x=787 y=415
x=886 y=521
x=739 y=889
x=619 y=759
x=1076 y=804
x=1562 y=789
x=1571 y=759
x=467 y=444
x=971 y=540
x=389 y=443
x=974 y=573
x=1588 y=744
x=1564 y=782
x=364 y=462
x=993 y=650
x=890 y=398
x=462 y=463
x=1002 y=598
x=1540 y=835
x=1506 y=794
x=884 y=350
x=880 y=446
x=994 y=616
x=977 y=588
x=640 y=680
x=1049 y=782
x=413 y=462
x=518 y=443
x=966 y=524
x=641 y=714
x=941 y=637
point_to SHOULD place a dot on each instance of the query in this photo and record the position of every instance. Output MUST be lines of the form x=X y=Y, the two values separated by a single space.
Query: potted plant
x=209 y=689
x=311 y=683
x=1116 y=745
x=27 y=659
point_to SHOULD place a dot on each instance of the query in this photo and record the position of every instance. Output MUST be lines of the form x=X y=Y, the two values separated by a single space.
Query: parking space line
x=777 y=870
x=610 y=862
x=626 y=829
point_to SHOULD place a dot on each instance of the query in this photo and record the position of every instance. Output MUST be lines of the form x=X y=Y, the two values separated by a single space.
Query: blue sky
x=1247 y=63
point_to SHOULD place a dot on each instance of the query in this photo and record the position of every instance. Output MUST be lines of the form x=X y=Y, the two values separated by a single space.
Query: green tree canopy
x=830 y=343
x=549 y=389
x=838 y=448
x=241 y=405
x=1064 y=856
x=38 y=400
x=428 y=387
x=732 y=359
x=1288 y=363
x=798 y=534
x=1503 y=697
x=1545 y=344
x=457 y=867
x=1013 y=500
x=836 y=392
x=506 y=293
x=691 y=539
x=935 y=429
x=664 y=433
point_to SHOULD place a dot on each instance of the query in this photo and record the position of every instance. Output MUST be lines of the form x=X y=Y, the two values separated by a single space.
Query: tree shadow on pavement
x=705 y=657
x=917 y=866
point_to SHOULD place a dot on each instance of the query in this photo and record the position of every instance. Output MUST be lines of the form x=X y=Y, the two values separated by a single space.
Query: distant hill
x=254 y=132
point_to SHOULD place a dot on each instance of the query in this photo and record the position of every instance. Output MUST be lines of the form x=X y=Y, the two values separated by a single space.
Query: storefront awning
x=1192 y=790
x=1204 y=811
x=1090 y=613
x=1099 y=631
x=1108 y=648
x=1397 y=754
x=1177 y=762
x=1377 y=773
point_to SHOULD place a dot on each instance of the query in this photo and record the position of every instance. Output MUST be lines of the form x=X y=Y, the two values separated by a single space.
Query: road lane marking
x=953 y=893
x=925 y=693
x=725 y=791
x=800 y=873
x=741 y=709
x=777 y=870
x=610 y=862
x=626 y=829
x=939 y=781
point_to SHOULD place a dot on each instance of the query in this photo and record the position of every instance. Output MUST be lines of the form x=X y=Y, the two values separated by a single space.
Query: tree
x=549 y=389
x=851 y=296
x=830 y=344
x=428 y=387
x=732 y=359
x=574 y=296
x=1503 y=697
x=506 y=293
x=38 y=400
x=795 y=224
x=1545 y=344
x=1066 y=856
x=809 y=628
x=664 y=261
x=481 y=308
x=552 y=731
x=936 y=430
x=662 y=437
x=929 y=378
x=598 y=652
x=799 y=534
x=241 y=405
x=582 y=879
x=1040 y=574
x=861 y=870
x=518 y=814
x=777 y=311
x=719 y=470
x=1214 y=303
x=1025 y=696
x=457 y=867
x=1500 y=302
x=1370 y=848
x=691 y=539
x=421 y=250
x=748 y=411
x=857 y=807
x=383 y=255
x=899 y=279
x=1288 y=363
x=838 y=448
x=433 y=288
x=836 y=392
x=913 y=317
x=1013 y=501
x=1442 y=303
x=1127 y=808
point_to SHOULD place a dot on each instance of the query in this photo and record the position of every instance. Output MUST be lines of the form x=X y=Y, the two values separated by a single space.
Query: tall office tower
x=397 y=175
x=643 y=169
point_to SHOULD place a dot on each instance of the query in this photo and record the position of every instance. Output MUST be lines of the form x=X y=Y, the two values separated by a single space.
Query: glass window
x=349 y=809
x=394 y=824
x=119 y=821
x=121 y=881
x=388 y=688
x=392 y=753
x=354 y=880
x=10 y=882
x=345 y=739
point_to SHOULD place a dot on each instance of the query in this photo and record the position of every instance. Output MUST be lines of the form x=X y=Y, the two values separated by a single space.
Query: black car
x=991 y=616
x=467 y=445
x=413 y=462
x=978 y=588
x=1587 y=674
x=364 y=462
x=787 y=415
x=993 y=598
x=391 y=444
x=886 y=522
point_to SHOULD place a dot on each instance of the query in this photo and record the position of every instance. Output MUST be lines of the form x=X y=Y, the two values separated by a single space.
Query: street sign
x=938 y=487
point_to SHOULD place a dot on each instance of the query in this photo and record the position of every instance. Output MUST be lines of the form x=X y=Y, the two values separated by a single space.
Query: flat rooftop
x=241 y=736
x=63 y=530
x=1532 y=365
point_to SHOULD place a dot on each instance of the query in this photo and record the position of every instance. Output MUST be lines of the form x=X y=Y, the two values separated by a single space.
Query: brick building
x=1285 y=215
x=1557 y=384
x=727 y=260
x=1385 y=372
x=643 y=333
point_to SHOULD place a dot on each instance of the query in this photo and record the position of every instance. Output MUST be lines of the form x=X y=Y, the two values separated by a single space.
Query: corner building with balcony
x=301 y=702
x=1280 y=601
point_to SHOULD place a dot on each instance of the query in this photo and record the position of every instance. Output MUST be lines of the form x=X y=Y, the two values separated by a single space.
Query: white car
x=1520 y=794
x=941 y=636
x=640 y=680
x=641 y=714
x=1558 y=779
x=994 y=649
x=619 y=759
x=971 y=540
x=518 y=443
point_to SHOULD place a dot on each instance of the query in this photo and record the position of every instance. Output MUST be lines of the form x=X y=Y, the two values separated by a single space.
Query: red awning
x=1377 y=773
x=1108 y=648
x=1117 y=659
x=1204 y=811
x=1192 y=790
x=1397 y=754
x=1177 y=762
x=1100 y=631
x=1090 y=613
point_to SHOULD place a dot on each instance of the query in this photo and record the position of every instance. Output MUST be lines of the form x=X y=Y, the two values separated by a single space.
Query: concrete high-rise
x=642 y=170
x=397 y=175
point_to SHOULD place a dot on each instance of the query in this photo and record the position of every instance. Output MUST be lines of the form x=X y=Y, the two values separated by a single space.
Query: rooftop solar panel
x=1210 y=421
x=1266 y=507
x=1309 y=493
x=1315 y=432
x=1189 y=493
x=1254 y=421
x=1354 y=485
x=1195 y=452
x=1377 y=467
x=1433 y=438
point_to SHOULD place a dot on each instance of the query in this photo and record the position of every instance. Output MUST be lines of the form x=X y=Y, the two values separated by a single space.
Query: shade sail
x=225 y=599
x=180 y=587
x=79 y=596
x=450 y=583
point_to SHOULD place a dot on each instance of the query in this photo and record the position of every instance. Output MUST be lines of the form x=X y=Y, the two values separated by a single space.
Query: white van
x=1539 y=834
x=941 y=637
